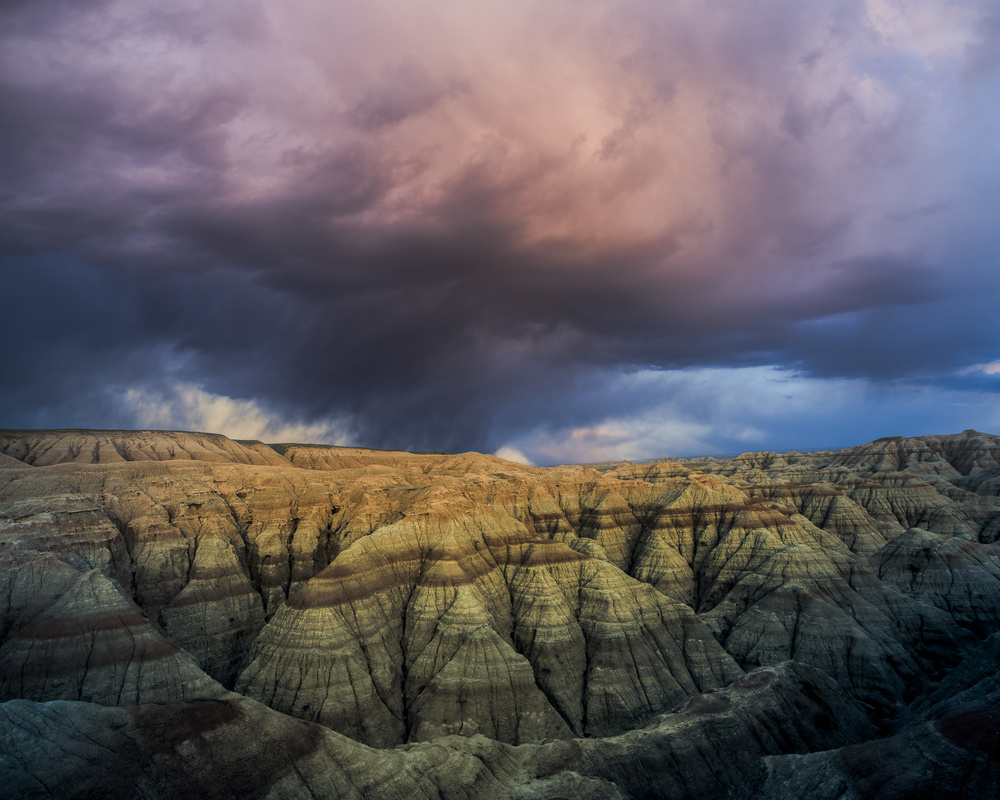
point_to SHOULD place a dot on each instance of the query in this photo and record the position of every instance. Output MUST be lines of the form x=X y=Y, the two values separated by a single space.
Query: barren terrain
x=184 y=615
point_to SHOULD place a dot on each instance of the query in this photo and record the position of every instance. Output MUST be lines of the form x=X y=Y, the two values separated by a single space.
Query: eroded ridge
x=396 y=599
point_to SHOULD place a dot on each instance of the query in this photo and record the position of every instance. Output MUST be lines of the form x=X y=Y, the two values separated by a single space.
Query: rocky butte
x=184 y=615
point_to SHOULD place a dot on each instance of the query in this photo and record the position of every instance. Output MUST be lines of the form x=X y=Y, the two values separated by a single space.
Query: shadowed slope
x=236 y=747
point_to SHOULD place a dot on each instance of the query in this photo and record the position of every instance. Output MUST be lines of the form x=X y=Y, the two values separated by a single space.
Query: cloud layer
x=461 y=227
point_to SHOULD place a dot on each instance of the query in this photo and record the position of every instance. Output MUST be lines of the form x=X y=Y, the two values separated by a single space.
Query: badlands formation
x=183 y=615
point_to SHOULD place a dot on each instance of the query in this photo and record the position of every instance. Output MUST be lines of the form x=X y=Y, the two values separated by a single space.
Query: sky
x=557 y=231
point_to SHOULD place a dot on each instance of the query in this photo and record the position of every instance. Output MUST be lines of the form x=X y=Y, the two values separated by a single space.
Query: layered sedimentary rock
x=401 y=599
x=93 y=644
x=959 y=576
x=425 y=628
x=114 y=447
x=234 y=747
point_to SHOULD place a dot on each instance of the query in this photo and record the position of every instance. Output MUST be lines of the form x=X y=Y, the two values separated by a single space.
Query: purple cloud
x=445 y=227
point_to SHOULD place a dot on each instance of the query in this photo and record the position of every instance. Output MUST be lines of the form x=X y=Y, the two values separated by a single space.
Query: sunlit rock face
x=603 y=631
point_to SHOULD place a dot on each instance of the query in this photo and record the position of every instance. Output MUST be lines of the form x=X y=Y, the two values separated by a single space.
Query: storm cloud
x=570 y=230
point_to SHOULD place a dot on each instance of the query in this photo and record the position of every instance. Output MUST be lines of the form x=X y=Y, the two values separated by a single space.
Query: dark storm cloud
x=449 y=249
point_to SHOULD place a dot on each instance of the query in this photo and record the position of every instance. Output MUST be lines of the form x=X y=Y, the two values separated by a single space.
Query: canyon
x=186 y=615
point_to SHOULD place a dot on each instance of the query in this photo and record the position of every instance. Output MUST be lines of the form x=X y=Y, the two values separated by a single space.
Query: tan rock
x=44 y=448
x=402 y=597
x=94 y=644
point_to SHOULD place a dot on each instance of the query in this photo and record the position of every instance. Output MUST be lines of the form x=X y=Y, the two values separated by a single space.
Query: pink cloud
x=992 y=368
